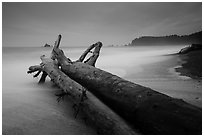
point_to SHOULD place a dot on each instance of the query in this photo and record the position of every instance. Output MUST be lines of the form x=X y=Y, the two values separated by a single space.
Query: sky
x=82 y=24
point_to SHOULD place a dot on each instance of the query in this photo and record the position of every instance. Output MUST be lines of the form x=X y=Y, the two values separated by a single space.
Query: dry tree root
x=43 y=77
x=37 y=73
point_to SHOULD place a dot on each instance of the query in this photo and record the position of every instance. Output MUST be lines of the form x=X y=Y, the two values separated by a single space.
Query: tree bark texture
x=148 y=110
x=102 y=117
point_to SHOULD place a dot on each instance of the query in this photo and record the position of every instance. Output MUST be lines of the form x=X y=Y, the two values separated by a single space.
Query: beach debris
x=47 y=45
x=145 y=109
x=95 y=112
x=192 y=47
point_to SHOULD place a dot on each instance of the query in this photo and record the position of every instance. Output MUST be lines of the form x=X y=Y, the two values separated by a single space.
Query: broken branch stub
x=92 y=60
x=56 y=45
x=95 y=54
x=82 y=57
x=34 y=69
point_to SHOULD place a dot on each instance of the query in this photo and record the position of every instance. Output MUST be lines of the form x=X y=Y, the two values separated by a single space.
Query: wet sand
x=163 y=77
x=32 y=109
x=29 y=108
x=192 y=64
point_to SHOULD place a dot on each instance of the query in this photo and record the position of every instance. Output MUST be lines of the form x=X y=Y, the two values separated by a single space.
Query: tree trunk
x=148 y=110
x=98 y=114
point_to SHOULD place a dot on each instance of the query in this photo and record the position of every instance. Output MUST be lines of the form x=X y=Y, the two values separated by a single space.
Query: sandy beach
x=29 y=108
x=32 y=109
x=163 y=77
x=157 y=70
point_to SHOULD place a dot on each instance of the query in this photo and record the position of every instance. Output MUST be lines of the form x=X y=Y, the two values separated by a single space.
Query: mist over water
x=29 y=108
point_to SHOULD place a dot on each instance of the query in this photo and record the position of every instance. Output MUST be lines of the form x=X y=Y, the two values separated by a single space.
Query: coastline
x=138 y=67
x=163 y=77
x=191 y=65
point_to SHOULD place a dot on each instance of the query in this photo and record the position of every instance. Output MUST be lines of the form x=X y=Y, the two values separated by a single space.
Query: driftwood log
x=99 y=115
x=149 y=111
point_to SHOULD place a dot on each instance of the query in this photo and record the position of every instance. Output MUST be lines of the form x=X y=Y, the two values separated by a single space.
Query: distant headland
x=194 y=38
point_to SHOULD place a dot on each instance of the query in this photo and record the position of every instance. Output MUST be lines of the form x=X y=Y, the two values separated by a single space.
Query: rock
x=190 y=48
x=47 y=45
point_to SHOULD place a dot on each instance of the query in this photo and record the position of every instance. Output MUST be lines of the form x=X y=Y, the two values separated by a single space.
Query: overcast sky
x=82 y=24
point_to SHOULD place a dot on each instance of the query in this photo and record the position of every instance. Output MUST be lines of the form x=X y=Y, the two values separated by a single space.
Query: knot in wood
x=95 y=73
x=117 y=90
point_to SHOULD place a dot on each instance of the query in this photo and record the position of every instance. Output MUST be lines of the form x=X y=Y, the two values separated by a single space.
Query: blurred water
x=29 y=108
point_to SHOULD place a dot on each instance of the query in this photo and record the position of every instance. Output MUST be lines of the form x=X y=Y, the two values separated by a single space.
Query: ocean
x=29 y=108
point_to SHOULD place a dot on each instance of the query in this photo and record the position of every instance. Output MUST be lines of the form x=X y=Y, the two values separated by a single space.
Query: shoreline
x=162 y=76
x=185 y=71
x=191 y=65
x=42 y=105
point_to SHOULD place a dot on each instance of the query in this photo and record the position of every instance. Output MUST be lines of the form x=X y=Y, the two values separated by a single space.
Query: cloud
x=82 y=23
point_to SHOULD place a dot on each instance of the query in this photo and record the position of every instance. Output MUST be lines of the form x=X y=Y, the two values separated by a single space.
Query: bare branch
x=37 y=73
x=82 y=57
x=92 y=60
x=34 y=69
x=56 y=46
x=43 y=77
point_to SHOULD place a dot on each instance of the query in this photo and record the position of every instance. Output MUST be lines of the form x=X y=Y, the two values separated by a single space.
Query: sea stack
x=47 y=45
